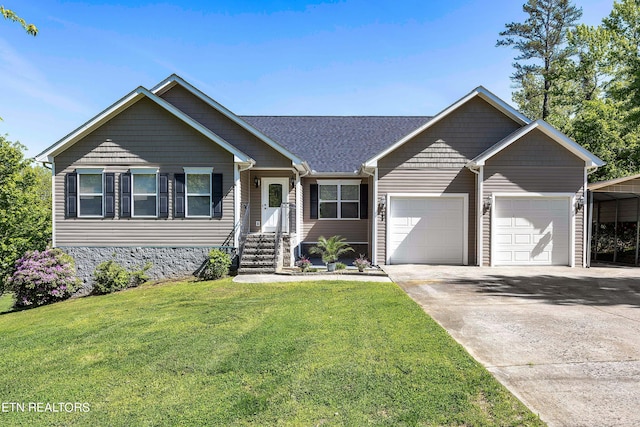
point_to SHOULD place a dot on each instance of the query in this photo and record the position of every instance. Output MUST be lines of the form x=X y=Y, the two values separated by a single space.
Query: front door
x=274 y=193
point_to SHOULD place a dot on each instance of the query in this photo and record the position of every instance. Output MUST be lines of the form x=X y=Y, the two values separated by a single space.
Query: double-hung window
x=198 y=191
x=144 y=192
x=339 y=199
x=90 y=193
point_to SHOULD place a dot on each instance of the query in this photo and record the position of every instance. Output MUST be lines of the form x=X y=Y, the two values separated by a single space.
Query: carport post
x=615 y=234
x=595 y=252
x=590 y=227
x=637 y=227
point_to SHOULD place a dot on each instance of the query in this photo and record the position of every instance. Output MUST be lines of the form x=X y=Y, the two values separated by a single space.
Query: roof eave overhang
x=603 y=184
x=174 y=79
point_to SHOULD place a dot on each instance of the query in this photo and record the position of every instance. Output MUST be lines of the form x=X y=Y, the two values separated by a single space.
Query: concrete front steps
x=259 y=254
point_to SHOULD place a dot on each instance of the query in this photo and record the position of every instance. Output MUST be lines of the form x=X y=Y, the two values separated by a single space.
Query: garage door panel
x=426 y=230
x=531 y=231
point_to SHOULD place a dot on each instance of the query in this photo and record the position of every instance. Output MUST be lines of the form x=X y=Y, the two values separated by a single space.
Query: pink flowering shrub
x=43 y=278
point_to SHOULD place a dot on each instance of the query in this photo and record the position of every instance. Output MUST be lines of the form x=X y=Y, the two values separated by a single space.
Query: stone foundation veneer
x=167 y=262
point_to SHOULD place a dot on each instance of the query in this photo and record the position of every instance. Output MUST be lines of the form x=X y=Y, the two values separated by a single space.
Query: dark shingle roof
x=336 y=143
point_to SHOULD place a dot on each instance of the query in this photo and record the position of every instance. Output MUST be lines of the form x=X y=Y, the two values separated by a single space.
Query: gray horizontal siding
x=453 y=180
x=263 y=154
x=536 y=149
x=353 y=230
x=454 y=140
x=144 y=135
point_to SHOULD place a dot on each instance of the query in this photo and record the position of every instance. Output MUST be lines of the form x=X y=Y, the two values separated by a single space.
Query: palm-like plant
x=331 y=248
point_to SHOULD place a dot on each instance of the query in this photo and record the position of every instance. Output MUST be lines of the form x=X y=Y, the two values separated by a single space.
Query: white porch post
x=236 y=204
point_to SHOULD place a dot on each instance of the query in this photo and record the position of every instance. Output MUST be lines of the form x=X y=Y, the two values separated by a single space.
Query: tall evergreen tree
x=541 y=40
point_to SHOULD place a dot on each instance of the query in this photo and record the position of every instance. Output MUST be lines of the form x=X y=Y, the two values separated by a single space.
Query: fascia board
x=175 y=79
x=602 y=184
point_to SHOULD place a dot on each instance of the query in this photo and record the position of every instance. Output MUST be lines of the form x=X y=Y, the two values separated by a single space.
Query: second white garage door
x=427 y=230
x=531 y=230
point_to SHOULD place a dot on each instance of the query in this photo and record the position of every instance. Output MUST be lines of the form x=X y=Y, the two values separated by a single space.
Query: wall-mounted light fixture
x=293 y=181
x=486 y=204
x=382 y=206
x=579 y=203
x=256 y=181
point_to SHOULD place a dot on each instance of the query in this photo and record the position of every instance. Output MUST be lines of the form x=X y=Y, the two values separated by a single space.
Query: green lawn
x=221 y=353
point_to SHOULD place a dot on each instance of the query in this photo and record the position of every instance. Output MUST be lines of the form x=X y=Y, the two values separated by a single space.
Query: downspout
x=299 y=207
x=53 y=203
x=479 y=172
x=588 y=218
x=53 y=197
x=374 y=219
x=237 y=191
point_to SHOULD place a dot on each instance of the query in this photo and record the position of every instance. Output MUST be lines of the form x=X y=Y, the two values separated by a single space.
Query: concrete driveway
x=565 y=341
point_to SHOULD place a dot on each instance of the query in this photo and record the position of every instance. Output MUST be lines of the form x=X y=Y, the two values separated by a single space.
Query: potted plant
x=361 y=263
x=331 y=249
x=303 y=263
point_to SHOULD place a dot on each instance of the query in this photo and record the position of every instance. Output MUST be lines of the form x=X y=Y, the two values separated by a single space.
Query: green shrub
x=43 y=278
x=340 y=266
x=217 y=266
x=330 y=249
x=111 y=277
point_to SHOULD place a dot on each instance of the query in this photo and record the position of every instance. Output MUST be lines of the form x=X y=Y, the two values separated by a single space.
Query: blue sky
x=277 y=57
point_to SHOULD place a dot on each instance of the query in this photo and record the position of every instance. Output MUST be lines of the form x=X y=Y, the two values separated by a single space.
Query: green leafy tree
x=12 y=16
x=623 y=24
x=541 y=41
x=25 y=206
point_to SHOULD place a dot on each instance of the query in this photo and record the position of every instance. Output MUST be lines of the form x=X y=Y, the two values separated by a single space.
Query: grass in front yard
x=222 y=353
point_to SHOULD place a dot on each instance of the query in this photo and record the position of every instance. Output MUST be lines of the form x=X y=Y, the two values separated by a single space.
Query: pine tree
x=541 y=40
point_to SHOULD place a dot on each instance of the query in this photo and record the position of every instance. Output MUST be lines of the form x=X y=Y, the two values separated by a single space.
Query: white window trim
x=197 y=171
x=89 y=171
x=339 y=183
x=143 y=171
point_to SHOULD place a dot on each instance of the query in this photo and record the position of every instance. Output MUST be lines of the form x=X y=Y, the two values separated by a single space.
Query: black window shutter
x=71 y=196
x=163 y=211
x=216 y=193
x=178 y=199
x=364 y=201
x=125 y=195
x=313 y=195
x=109 y=195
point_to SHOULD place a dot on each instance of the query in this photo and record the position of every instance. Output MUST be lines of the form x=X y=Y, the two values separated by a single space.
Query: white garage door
x=531 y=231
x=427 y=230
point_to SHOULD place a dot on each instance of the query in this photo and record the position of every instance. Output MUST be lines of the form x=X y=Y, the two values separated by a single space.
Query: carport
x=614 y=212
